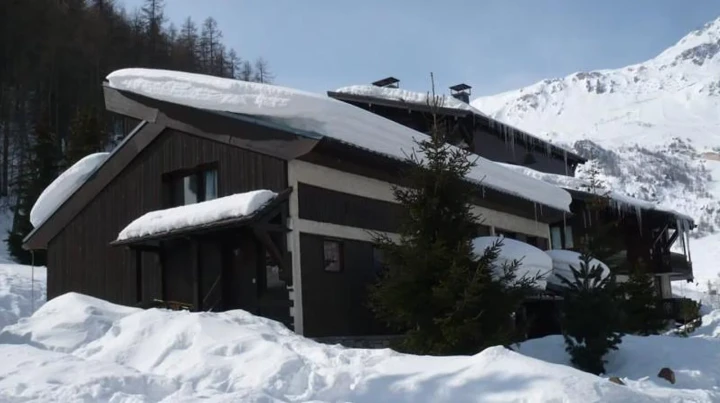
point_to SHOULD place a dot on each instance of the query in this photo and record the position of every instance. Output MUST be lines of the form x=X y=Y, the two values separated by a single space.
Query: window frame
x=340 y=252
x=171 y=179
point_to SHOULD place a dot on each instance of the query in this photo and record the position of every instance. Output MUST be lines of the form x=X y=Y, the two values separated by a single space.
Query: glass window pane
x=569 y=237
x=555 y=238
x=332 y=256
x=211 y=184
x=190 y=189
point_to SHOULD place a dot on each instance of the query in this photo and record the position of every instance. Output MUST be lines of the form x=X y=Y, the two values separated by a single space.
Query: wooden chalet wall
x=80 y=258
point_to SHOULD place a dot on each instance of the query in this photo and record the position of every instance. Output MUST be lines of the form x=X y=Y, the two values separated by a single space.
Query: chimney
x=389 y=82
x=461 y=92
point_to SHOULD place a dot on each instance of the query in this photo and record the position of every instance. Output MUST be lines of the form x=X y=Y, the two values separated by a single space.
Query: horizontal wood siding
x=79 y=257
x=329 y=206
x=336 y=303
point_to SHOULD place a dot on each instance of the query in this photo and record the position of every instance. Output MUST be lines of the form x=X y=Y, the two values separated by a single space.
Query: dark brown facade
x=80 y=257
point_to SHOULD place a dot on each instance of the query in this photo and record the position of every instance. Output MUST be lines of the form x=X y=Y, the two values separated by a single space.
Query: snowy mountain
x=653 y=127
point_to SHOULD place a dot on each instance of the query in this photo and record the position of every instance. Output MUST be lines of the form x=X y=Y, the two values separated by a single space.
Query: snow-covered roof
x=194 y=215
x=413 y=97
x=533 y=261
x=450 y=102
x=63 y=187
x=319 y=114
x=563 y=260
x=569 y=182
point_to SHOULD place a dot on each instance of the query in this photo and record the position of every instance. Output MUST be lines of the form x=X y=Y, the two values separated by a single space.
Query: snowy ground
x=76 y=348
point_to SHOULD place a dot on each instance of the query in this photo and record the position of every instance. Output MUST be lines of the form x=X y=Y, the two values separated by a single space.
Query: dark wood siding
x=324 y=205
x=79 y=257
x=336 y=303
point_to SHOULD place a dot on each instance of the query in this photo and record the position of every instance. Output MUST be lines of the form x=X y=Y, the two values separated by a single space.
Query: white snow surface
x=22 y=290
x=77 y=348
x=319 y=115
x=412 y=97
x=563 y=260
x=63 y=187
x=207 y=212
x=533 y=261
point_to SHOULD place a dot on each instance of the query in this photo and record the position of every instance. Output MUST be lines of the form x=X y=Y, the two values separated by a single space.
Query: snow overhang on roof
x=620 y=200
x=448 y=103
x=314 y=113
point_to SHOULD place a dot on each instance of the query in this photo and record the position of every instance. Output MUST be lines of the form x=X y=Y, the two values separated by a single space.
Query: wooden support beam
x=138 y=275
x=195 y=265
x=265 y=239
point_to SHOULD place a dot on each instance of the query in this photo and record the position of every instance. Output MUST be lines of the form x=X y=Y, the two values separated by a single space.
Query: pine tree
x=40 y=169
x=642 y=311
x=87 y=135
x=446 y=299
x=590 y=316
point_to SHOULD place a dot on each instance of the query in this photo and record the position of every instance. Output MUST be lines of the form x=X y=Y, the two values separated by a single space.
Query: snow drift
x=533 y=261
x=80 y=348
x=564 y=260
x=317 y=116
x=63 y=187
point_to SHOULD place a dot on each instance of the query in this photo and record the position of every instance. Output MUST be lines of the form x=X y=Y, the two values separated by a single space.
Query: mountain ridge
x=653 y=127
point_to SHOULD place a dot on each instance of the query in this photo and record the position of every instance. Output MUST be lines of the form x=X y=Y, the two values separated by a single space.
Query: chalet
x=232 y=195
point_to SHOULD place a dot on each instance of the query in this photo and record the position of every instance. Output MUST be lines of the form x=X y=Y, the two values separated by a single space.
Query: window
x=561 y=239
x=191 y=187
x=569 y=244
x=556 y=237
x=332 y=256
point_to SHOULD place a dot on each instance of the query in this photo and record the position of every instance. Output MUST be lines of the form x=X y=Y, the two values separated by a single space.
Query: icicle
x=638 y=214
x=536 y=212
x=686 y=224
x=567 y=173
x=548 y=149
x=564 y=221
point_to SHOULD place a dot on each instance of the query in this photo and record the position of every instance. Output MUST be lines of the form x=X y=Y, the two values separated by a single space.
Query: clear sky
x=493 y=45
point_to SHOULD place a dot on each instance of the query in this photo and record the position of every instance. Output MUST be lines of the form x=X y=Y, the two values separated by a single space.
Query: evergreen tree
x=642 y=311
x=41 y=166
x=590 y=317
x=87 y=135
x=434 y=288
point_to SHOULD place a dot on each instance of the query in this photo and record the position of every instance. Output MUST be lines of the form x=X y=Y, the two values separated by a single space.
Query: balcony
x=681 y=268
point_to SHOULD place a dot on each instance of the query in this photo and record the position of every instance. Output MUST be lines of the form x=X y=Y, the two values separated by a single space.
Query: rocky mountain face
x=653 y=127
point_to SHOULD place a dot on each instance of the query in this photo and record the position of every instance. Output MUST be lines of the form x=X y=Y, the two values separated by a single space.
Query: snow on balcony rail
x=193 y=215
x=310 y=112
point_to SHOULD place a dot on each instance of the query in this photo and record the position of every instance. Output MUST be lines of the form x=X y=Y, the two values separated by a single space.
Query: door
x=240 y=275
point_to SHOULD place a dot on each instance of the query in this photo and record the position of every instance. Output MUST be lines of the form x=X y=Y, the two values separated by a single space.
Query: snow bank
x=21 y=291
x=563 y=260
x=207 y=212
x=318 y=115
x=96 y=351
x=533 y=261
x=63 y=187
x=639 y=360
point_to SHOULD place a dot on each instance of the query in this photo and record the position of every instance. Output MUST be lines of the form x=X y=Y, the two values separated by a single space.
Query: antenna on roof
x=461 y=92
x=389 y=82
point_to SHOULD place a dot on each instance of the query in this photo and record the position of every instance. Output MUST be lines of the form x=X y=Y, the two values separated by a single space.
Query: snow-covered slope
x=77 y=348
x=654 y=127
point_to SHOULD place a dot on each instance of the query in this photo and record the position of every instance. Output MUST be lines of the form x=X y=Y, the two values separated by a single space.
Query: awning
x=242 y=209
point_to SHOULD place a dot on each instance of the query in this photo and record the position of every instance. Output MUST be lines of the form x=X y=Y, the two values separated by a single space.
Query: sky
x=492 y=45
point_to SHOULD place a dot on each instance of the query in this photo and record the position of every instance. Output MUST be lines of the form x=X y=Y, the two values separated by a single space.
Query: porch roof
x=241 y=209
